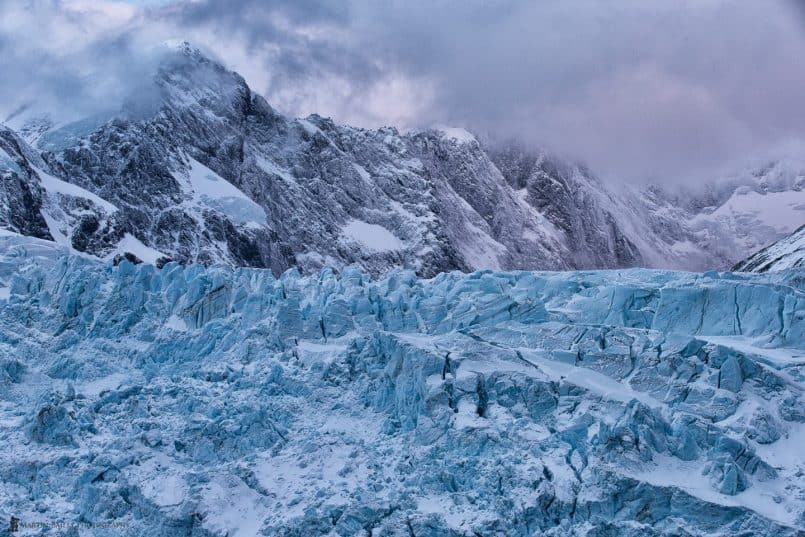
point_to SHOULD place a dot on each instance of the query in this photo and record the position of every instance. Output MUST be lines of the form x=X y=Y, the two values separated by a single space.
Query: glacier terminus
x=191 y=400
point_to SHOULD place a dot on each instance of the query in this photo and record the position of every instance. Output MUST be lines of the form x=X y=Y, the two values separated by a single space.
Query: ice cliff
x=221 y=401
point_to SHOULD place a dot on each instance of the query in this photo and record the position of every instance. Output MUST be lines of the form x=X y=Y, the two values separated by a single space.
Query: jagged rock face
x=200 y=169
x=195 y=167
x=693 y=227
x=497 y=403
x=20 y=196
x=785 y=254
x=575 y=202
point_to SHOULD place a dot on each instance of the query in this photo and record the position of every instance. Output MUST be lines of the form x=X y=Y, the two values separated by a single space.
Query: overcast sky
x=638 y=89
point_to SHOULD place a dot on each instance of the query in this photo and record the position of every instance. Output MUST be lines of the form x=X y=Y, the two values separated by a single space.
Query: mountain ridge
x=199 y=168
x=787 y=253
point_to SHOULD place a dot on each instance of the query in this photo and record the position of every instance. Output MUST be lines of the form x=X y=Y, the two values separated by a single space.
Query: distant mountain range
x=199 y=168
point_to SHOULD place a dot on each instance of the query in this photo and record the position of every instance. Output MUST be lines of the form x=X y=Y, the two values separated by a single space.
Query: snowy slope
x=773 y=209
x=787 y=253
x=221 y=401
x=711 y=225
x=284 y=192
x=752 y=208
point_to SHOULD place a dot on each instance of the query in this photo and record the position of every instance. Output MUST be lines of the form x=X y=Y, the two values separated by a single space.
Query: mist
x=659 y=91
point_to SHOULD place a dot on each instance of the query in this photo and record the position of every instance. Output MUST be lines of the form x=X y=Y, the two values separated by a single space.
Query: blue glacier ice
x=217 y=401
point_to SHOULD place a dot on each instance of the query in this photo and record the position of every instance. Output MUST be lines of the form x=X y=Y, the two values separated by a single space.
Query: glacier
x=190 y=400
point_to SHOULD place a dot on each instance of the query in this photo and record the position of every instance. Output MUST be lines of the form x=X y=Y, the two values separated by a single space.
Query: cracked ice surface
x=219 y=401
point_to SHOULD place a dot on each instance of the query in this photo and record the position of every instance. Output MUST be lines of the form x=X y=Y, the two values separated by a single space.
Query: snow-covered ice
x=217 y=401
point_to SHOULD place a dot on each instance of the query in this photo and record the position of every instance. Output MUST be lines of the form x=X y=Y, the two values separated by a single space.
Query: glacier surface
x=226 y=401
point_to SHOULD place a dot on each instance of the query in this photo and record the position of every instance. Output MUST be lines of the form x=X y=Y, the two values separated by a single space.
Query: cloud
x=70 y=58
x=662 y=90
x=638 y=89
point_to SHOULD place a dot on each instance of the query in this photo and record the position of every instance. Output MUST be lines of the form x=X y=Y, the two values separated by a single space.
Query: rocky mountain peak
x=196 y=167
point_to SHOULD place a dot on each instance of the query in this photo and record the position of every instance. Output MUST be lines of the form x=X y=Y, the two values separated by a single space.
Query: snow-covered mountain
x=203 y=170
x=787 y=253
x=687 y=227
x=174 y=398
x=222 y=401
x=743 y=212
x=195 y=167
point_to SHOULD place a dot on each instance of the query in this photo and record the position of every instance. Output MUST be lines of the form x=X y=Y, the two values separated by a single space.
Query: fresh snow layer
x=271 y=168
x=211 y=190
x=778 y=357
x=53 y=228
x=215 y=401
x=130 y=243
x=54 y=185
x=372 y=236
